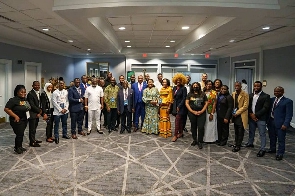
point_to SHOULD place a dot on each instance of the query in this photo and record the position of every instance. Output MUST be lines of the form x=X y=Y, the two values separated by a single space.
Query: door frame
x=39 y=68
x=8 y=82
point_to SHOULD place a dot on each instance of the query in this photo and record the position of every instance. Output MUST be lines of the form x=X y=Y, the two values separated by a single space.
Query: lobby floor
x=140 y=164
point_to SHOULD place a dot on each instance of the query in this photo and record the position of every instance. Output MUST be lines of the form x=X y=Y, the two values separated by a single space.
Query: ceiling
x=153 y=27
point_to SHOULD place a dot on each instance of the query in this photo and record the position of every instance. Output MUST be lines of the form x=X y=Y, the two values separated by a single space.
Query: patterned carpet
x=140 y=164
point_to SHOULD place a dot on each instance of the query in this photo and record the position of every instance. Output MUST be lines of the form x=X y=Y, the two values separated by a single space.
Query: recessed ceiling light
x=70 y=41
x=88 y=49
x=167 y=46
x=185 y=28
x=192 y=54
x=127 y=41
x=211 y=48
x=266 y=28
x=202 y=35
x=231 y=41
x=172 y=41
x=128 y=46
x=45 y=29
x=122 y=28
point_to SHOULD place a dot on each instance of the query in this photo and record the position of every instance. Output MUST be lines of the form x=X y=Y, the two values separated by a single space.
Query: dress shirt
x=255 y=98
x=125 y=92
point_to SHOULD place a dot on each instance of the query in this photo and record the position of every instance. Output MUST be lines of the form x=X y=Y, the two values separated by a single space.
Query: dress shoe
x=18 y=150
x=66 y=137
x=194 y=143
x=261 y=153
x=185 y=129
x=200 y=145
x=174 y=139
x=249 y=145
x=88 y=132
x=279 y=157
x=128 y=130
x=49 y=140
x=135 y=129
x=115 y=129
x=270 y=151
x=81 y=133
x=74 y=136
x=236 y=149
x=110 y=131
x=221 y=144
x=34 y=144
x=122 y=131
x=56 y=140
x=23 y=149
x=100 y=132
x=180 y=135
x=232 y=145
x=38 y=141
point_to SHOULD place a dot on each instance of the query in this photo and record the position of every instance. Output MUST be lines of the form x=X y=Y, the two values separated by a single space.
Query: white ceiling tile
x=165 y=27
x=119 y=21
x=16 y=16
x=142 y=32
x=162 y=32
x=122 y=33
x=168 y=19
x=61 y=27
x=37 y=14
x=70 y=32
x=146 y=20
x=51 y=21
x=19 y=4
x=181 y=32
x=32 y=23
x=192 y=20
x=142 y=27
x=5 y=8
x=15 y=25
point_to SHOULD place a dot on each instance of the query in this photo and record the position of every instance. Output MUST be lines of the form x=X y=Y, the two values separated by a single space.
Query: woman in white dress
x=211 y=117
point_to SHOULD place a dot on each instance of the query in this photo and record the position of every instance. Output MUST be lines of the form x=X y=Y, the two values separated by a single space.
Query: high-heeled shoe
x=174 y=139
x=180 y=135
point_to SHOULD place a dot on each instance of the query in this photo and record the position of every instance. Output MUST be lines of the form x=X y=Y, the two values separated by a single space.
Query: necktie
x=274 y=105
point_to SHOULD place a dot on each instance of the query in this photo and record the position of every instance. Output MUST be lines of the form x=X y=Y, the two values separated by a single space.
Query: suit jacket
x=83 y=89
x=45 y=103
x=243 y=103
x=225 y=106
x=283 y=112
x=179 y=100
x=35 y=104
x=261 y=107
x=137 y=93
x=120 y=100
x=74 y=100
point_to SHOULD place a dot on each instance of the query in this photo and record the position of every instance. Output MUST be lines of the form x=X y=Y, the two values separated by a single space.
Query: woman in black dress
x=47 y=110
x=17 y=108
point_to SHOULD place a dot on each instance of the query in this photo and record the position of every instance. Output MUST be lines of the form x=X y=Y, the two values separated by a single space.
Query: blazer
x=283 y=112
x=225 y=106
x=35 y=104
x=74 y=100
x=137 y=93
x=243 y=104
x=45 y=103
x=83 y=89
x=261 y=107
x=179 y=100
x=120 y=100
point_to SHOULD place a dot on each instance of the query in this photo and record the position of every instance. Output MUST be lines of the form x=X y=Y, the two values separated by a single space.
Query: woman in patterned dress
x=211 y=118
x=151 y=98
x=166 y=96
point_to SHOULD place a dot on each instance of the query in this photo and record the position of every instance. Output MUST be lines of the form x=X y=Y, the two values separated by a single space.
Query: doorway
x=32 y=73
x=6 y=90
x=245 y=70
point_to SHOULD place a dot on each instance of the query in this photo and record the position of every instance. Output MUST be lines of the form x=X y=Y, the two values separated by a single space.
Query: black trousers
x=33 y=124
x=19 y=129
x=124 y=115
x=49 y=126
x=239 y=131
x=197 y=126
x=105 y=116
x=223 y=130
x=112 y=117
x=77 y=120
x=184 y=120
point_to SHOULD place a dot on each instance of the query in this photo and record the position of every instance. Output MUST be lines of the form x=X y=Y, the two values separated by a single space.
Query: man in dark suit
x=125 y=106
x=138 y=106
x=281 y=114
x=84 y=84
x=76 y=108
x=259 y=103
x=35 y=112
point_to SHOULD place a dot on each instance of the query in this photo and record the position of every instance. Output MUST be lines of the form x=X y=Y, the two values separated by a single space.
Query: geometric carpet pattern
x=140 y=164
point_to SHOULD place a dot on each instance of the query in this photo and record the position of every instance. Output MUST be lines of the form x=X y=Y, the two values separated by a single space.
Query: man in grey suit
x=125 y=106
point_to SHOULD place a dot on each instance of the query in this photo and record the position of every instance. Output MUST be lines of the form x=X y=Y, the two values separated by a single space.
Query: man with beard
x=132 y=80
x=108 y=79
x=259 y=103
x=110 y=97
x=158 y=83
x=94 y=104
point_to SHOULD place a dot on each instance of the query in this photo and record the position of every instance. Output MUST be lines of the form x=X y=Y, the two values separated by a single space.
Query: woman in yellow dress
x=166 y=96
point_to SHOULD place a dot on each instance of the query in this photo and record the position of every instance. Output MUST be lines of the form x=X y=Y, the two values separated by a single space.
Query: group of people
x=146 y=105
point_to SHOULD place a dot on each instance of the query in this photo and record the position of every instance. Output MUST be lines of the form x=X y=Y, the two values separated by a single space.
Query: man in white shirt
x=204 y=79
x=94 y=104
x=60 y=104
x=158 y=83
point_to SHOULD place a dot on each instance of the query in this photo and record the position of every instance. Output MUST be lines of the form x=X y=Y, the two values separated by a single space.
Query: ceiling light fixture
x=172 y=41
x=88 y=49
x=185 y=28
x=167 y=46
x=70 y=41
x=266 y=28
x=211 y=48
x=231 y=41
x=128 y=46
x=127 y=41
x=45 y=29
x=122 y=28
